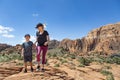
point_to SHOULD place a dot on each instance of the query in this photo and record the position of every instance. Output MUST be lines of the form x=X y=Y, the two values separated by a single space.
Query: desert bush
x=107 y=67
x=3 y=58
x=34 y=56
x=105 y=59
x=110 y=77
x=99 y=59
x=72 y=56
x=106 y=73
x=47 y=64
x=84 y=61
x=50 y=55
x=63 y=61
x=9 y=57
x=19 y=64
x=53 y=53
x=58 y=52
x=57 y=65
x=96 y=57
x=81 y=65
x=112 y=60
x=116 y=60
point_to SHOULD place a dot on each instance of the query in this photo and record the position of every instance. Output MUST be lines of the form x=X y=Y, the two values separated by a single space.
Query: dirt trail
x=50 y=73
x=8 y=71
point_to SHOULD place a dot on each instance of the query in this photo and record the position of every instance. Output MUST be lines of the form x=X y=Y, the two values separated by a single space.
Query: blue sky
x=64 y=18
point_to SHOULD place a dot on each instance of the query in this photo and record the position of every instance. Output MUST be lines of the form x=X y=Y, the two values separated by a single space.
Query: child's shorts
x=28 y=58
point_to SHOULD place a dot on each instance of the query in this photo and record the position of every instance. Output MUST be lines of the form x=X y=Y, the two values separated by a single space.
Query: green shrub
x=63 y=61
x=72 y=56
x=81 y=65
x=116 y=60
x=99 y=59
x=52 y=55
x=107 y=67
x=110 y=77
x=84 y=61
x=9 y=57
x=34 y=56
x=103 y=59
x=106 y=73
x=113 y=60
x=57 y=65
x=19 y=64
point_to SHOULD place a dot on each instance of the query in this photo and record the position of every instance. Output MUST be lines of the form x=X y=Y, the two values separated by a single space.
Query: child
x=27 y=52
x=42 y=38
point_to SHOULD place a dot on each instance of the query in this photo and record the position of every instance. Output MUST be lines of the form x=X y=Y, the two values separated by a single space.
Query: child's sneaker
x=32 y=69
x=25 y=71
x=38 y=68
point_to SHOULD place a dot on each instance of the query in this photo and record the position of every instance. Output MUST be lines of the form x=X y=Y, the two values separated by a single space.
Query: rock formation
x=105 y=39
x=53 y=44
x=4 y=46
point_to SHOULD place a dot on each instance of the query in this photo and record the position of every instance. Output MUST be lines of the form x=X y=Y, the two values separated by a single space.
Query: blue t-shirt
x=27 y=48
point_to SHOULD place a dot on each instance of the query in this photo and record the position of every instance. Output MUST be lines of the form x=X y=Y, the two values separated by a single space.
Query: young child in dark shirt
x=27 y=52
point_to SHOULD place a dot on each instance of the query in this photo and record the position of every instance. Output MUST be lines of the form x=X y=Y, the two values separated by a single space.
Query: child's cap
x=39 y=25
x=27 y=35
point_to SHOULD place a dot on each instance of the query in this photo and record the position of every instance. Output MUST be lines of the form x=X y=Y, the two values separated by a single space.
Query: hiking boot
x=32 y=69
x=42 y=69
x=25 y=71
x=38 y=68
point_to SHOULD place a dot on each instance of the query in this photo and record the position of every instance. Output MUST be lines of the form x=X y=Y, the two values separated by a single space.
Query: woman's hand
x=46 y=43
x=48 y=39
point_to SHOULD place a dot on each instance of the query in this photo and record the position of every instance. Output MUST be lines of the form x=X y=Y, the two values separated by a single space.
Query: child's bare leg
x=25 y=63
x=31 y=65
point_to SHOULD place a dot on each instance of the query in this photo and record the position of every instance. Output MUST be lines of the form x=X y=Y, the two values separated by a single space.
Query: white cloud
x=8 y=35
x=23 y=39
x=5 y=32
x=45 y=25
x=33 y=38
x=51 y=38
x=5 y=29
x=35 y=14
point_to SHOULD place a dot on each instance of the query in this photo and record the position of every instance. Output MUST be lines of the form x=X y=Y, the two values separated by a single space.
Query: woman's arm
x=48 y=39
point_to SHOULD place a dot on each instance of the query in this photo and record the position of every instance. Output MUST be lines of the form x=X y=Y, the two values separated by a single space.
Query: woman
x=42 y=39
